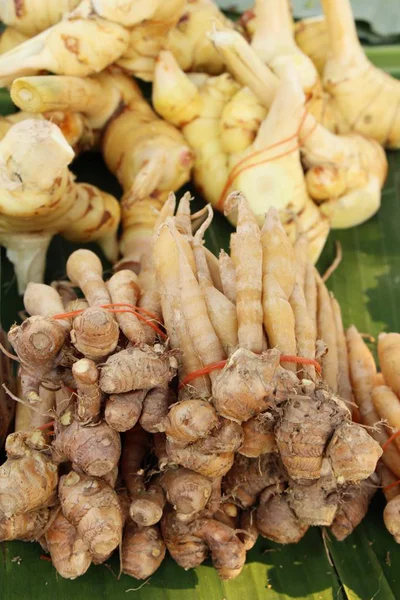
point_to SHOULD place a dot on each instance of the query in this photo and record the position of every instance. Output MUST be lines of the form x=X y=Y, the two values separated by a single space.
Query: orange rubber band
x=108 y=307
x=233 y=174
x=391 y=485
x=300 y=360
x=199 y=372
x=390 y=440
x=46 y=425
x=221 y=364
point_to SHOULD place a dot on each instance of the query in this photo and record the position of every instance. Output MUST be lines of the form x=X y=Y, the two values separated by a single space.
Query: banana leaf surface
x=364 y=567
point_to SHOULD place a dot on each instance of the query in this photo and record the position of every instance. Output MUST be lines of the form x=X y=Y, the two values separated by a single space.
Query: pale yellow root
x=228 y=276
x=304 y=329
x=362 y=374
x=301 y=258
x=33 y=16
x=327 y=333
x=248 y=274
x=86 y=376
x=80 y=45
x=387 y=405
x=278 y=270
x=124 y=289
x=85 y=270
x=344 y=383
x=44 y=300
x=10 y=38
x=312 y=38
x=27 y=419
x=310 y=293
x=389 y=358
x=194 y=311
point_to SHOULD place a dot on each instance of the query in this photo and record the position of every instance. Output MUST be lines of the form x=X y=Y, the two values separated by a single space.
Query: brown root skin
x=391 y=517
x=92 y=506
x=146 y=508
x=316 y=503
x=160 y=450
x=122 y=411
x=247 y=384
x=187 y=491
x=306 y=425
x=38 y=342
x=211 y=456
x=258 y=435
x=124 y=288
x=189 y=421
x=69 y=553
x=210 y=465
x=135 y=446
x=136 y=369
x=275 y=519
x=353 y=508
x=95 y=450
x=26 y=526
x=188 y=550
x=95 y=333
x=142 y=552
x=84 y=269
x=250 y=532
x=111 y=477
x=86 y=377
x=250 y=476
x=228 y=554
x=155 y=408
x=353 y=453
x=28 y=478
x=7 y=405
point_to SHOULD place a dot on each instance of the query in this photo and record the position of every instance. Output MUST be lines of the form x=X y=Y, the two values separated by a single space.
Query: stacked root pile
x=189 y=409
x=258 y=117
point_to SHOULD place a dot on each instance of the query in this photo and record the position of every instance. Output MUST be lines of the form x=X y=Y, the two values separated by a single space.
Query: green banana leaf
x=364 y=567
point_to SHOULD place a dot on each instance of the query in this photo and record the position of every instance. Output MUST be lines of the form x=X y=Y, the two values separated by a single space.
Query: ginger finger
x=86 y=377
x=142 y=552
x=85 y=270
x=155 y=408
x=187 y=491
x=249 y=527
x=35 y=15
x=304 y=329
x=228 y=276
x=388 y=345
x=136 y=369
x=45 y=301
x=28 y=478
x=92 y=507
x=27 y=527
x=69 y=553
x=95 y=333
x=189 y=421
x=95 y=450
x=248 y=275
x=387 y=405
x=124 y=289
x=362 y=374
x=344 y=384
x=27 y=419
x=275 y=519
x=310 y=293
x=354 y=507
x=249 y=476
x=48 y=50
x=259 y=437
x=327 y=333
x=122 y=411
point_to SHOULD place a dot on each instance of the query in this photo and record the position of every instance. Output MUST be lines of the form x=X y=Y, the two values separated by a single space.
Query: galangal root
x=253 y=437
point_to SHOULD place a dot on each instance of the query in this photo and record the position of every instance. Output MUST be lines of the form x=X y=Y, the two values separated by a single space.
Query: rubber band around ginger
x=233 y=174
x=221 y=364
x=108 y=307
x=390 y=440
x=391 y=485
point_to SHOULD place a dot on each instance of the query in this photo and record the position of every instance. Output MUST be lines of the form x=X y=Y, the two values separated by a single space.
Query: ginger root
x=92 y=507
x=143 y=550
x=69 y=553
